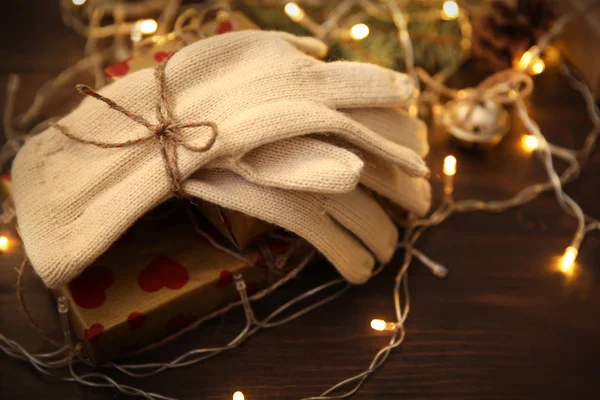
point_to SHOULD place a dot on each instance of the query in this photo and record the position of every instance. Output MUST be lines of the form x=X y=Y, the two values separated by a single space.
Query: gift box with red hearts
x=158 y=278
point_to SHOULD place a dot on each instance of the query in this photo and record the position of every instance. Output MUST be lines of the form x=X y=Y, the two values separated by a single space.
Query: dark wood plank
x=504 y=325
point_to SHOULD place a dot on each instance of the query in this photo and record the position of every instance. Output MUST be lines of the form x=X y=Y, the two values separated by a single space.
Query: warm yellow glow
x=294 y=11
x=238 y=396
x=378 y=324
x=450 y=10
x=450 y=166
x=381 y=325
x=551 y=55
x=531 y=62
x=3 y=243
x=538 y=67
x=359 y=31
x=148 y=26
x=79 y=2
x=525 y=59
x=530 y=142
x=567 y=262
x=413 y=110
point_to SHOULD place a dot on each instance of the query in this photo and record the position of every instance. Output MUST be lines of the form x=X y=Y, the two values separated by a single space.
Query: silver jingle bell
x=475 y=123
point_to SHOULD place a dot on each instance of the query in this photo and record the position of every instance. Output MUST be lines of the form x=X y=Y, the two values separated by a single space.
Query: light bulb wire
x=67 y=357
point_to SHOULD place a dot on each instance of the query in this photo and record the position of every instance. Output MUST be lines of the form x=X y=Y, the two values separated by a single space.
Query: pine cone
x=506 y=32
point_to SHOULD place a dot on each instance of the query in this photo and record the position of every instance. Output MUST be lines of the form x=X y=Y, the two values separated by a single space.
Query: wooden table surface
x=505 y=324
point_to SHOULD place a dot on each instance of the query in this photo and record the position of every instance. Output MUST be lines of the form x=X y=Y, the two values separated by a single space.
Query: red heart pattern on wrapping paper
x=118 y=69
x=162 y=55
x=93 y=333
x=163 y=272
x=224 y=27
x=178 y=322
x=136 y=320
x=225 y=279
x=89 y=289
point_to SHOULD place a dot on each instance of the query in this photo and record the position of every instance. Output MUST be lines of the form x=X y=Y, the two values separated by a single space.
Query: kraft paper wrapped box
x=158 y=278
x=161 y=276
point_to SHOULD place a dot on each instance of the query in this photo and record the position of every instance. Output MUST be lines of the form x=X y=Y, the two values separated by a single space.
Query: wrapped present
x=158 y=278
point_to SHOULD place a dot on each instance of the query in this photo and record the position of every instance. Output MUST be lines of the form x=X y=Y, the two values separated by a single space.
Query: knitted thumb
x=301 y=163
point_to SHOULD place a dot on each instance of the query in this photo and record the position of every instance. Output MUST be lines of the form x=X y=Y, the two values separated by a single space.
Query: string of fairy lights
x=506 y=86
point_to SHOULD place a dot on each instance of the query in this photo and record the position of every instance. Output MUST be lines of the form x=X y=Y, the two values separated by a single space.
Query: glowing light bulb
x=359 y=31
x=525 y=60
x=79 y=2
x=378 y=324
x=148 y=26
x=551 y=55
x=450 y=166
x=531 y=62
x=537 y=67
x=238 y=396
x=4 y=243
x=530 y=142
x=567 y=262
x=294 y=11
x=413 y=110
x=381 y=325
x=450 y=10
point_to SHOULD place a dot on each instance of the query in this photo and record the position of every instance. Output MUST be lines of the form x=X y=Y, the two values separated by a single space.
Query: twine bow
x=167 y=131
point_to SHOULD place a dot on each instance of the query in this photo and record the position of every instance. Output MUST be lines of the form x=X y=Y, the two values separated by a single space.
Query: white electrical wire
x=65 y=356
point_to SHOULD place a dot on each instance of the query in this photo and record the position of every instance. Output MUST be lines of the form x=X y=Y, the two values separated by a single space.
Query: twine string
x=167 y=131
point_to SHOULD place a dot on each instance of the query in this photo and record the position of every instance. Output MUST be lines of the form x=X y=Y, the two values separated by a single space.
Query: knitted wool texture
x=301 y=163
x=288 y=164
x=74 y=200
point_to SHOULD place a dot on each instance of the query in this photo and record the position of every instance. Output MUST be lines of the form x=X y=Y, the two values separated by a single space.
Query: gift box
x=159 y=277
x=162 y=275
